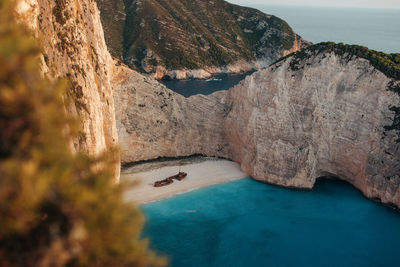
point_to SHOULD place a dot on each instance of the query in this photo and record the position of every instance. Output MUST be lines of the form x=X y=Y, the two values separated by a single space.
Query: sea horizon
x=324 y=7
x=377 y=29
x=304 y=21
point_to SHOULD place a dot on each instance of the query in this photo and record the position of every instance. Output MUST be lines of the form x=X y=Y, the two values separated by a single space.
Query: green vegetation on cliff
x=192 y=34
x=113 y=20
x=57 y=208
x=389 y=64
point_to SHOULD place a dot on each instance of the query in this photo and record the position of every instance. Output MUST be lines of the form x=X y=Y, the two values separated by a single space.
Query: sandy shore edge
x=201 y=172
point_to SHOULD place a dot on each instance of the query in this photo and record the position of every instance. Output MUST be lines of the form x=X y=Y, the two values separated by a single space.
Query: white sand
x=200 y=174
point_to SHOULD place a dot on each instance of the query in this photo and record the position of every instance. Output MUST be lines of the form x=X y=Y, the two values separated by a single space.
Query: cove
x=247 y=223
x=219 y=82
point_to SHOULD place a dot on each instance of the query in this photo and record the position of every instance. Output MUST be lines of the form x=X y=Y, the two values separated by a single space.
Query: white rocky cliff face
x=73 y=47
x=154 y=122
x=286 y=127
x=327 y=118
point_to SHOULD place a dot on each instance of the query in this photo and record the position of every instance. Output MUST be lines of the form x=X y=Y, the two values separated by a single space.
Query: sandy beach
x=201 y=172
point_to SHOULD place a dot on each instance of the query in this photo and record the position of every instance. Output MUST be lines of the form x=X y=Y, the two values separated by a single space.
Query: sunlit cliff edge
x=73 y=47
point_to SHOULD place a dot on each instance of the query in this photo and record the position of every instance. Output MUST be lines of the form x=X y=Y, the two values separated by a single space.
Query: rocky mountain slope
x=113 y=18
x=183 y=39
x=327 y=110
x=74 y=48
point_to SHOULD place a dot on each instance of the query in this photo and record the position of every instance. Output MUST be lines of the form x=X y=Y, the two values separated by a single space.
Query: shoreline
x=202 y=172
x=206 y=72
x=212 y=76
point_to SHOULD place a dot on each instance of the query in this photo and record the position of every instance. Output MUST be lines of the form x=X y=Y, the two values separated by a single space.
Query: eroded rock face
x=286 y=127
x=154 y=122
x=327 y=118
x=73 y=47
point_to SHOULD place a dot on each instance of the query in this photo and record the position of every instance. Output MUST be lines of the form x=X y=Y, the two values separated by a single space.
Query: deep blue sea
x=219 y=82
x=246 y=223
x=378 y=29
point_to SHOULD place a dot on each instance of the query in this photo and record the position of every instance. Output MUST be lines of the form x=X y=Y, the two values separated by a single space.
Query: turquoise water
x=246 y=223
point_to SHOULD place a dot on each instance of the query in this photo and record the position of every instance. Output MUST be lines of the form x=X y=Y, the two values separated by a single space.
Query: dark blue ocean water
x=378 y=29
x=246 y=223
x=219 y=82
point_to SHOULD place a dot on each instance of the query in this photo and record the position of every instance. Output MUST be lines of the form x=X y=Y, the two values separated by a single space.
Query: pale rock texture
x=154 y=122
x=286 y=127
x=291 y=127
x=73 y=47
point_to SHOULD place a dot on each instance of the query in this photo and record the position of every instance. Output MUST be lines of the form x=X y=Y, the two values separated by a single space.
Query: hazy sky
x=352 y=3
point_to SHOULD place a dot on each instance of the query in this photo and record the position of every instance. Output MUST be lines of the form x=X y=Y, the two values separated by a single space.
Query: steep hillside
x=326 y=110
x=163 y=36
x=113 y=18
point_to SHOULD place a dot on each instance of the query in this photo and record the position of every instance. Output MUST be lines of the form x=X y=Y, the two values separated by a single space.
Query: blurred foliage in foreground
x=57 y=208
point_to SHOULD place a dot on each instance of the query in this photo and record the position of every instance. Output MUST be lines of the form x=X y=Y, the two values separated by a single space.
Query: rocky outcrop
x=154 y=122
x=302 y=118
x=327 y=118
x=73 y=47
x=194 y=39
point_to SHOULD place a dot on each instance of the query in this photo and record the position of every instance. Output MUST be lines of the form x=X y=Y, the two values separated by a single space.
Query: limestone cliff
x=326 y=117
x=154 y=122
x=73 y=47
x=184 y=39
x=310 y=115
